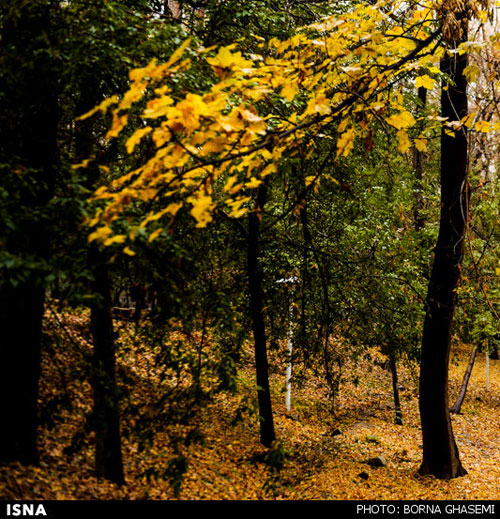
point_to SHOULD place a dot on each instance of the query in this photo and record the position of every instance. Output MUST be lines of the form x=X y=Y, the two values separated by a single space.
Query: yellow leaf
x=253 y=183
x=230 y=183
x=119 y=122
x=482 y=126
x=128 y=251
x=421 y=144
x=119 y=238
x=155 y=234
x=203 y=206
x=343 y=125
x=289 y=91
x=178 y=53
x=468 y=120
x=319 y=105
x=103 y=106
x=345 y=143
x=136 y=137
x=173 y=208
x=404 y=143
x=225 y=62
x=401 y=120
x=426 y=82
x=158 y=107
x=270 y=168
x=309 y=180
x=82 y=164
x=471 y=73
x=231 y=123
x=100 y=234
x=133 y=232
x=236 y=209
x=250 y=116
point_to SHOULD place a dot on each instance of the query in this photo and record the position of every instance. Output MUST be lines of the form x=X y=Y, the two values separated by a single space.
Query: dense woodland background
x=289 y=184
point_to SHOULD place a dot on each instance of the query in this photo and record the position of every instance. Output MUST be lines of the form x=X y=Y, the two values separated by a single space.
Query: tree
x=440 y=452
x=29 y=163
x=267 y=434
x=336 y=76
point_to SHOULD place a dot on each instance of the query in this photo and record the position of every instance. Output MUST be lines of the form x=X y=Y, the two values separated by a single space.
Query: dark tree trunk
x=108 y=455
x=418 y=216
x=28 y=162
x=106 y=413
x=21 y=310
x=440 y=452
x=465 y=382
x=267 y=435
x=398 y=417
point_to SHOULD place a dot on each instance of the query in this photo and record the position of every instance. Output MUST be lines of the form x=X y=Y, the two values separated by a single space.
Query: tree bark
x=418 y=216
x=21 y=311
x=398 y=417
x=108 y=455
x=106 y=412
x=440 y=452
x=267 y=434
x=29 y=119
x=465 y=382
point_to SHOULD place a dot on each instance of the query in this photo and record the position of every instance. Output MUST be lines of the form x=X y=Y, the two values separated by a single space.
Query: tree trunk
x=21 y=310
x=398 y=417
x=440 y=452
x=28 y=163
x=106 y=415
x=418 y=216
x=267 y=435
x=465 y=382
x=108 y=455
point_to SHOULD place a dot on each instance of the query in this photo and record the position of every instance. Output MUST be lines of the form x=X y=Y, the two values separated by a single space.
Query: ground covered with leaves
x=323 y=452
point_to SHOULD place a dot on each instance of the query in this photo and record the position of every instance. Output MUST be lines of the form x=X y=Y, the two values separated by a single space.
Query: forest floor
x=325 y=450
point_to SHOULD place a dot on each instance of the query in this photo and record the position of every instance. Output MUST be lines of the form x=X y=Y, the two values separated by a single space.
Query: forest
x=248 y=250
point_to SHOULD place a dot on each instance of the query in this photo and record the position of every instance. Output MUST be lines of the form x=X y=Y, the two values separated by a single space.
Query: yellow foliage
x=225 y=62
x=202 y=208
x=118 y=238
x=421 y=143
x=253 y=183
x=345 y=142
x=426 y=82
x=482 y=126
x=404 y=143
x=102 y=107
x=289 y=91
x=158 y=107
x=134 y=140
x=100 y=234
x=119 y=122
x=401 y=120
x=235 y=129
x=155 y=234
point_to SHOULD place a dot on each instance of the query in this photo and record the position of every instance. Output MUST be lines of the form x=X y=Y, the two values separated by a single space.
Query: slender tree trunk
x=398 y=417
x=28 y=163
x=267 y=435
x=440 y=452
x=418 y=217
x=108 y=455
x=465 y=382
